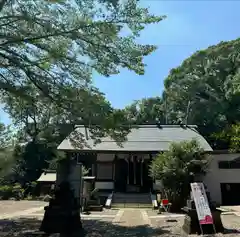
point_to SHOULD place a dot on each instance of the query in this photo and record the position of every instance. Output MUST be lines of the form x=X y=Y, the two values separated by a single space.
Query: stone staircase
x=131 y=200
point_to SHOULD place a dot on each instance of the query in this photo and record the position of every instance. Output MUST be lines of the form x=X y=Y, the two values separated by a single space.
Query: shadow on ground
x=22 y=227
x=94 y=228
x=231 y=231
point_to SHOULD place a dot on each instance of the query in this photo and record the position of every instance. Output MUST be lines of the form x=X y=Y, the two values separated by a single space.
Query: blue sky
x=190 y=26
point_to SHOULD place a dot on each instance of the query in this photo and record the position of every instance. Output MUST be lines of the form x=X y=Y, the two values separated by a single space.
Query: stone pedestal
x=191 y=223
x=63 y=213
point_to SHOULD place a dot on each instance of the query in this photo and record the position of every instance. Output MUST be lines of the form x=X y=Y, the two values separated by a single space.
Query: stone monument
x=63 y=213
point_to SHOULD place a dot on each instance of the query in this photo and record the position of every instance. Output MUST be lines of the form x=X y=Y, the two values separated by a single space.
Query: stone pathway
x=110 y=223
x=22 y=213
x=113 y=223
x=11 y=207
x=132 y=223
x=235 y=210
x=133 y=217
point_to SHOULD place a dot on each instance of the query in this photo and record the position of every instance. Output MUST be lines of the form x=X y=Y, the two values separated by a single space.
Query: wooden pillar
x=142 y=160
x=134 y=169
x=152 y=180
x=128 y=161
x=114 y=168
x=128 y=170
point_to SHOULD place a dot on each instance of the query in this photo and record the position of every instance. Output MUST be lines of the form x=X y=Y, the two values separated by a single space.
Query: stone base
x=191 y=224
x=58 y=221
x=97 y=208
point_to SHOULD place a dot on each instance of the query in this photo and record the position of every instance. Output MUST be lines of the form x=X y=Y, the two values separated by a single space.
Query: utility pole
x=166 y=115
x=187 y=112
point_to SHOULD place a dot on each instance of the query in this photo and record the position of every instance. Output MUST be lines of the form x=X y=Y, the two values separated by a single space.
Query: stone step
x=131 y=194
x=96 y=208
x=131 y=197
x=131 y=201
x=131 y=205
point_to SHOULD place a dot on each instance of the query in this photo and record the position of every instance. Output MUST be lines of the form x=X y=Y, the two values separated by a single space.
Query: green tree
x=204 y=89
x=146 y=111
x=57 y=44
x=177 y=167
x=42 y=126
x=231 y=135
x=6 y=151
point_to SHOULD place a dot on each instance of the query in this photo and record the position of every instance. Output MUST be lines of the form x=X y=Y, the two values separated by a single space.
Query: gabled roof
x=141 y=138
x=48 y=177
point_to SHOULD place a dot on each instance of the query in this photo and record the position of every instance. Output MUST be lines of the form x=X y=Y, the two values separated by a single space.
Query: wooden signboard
x=202 y=206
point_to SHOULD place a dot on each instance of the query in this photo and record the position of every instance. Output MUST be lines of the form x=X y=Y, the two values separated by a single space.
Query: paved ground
x=234 y=209
x=10 y=207
x=18 y=217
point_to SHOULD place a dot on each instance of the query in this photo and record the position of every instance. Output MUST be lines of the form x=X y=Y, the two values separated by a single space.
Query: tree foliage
x=146 y=111
x=54 y=45
x=204 y=88
x=6 y=151
x=231 y=135
x=177 y=167
x=42 y=126
x=48 y=53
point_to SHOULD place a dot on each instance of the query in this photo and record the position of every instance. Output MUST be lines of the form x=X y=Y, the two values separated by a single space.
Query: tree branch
x=2 y=3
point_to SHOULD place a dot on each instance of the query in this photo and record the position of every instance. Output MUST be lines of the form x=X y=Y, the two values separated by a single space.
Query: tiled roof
x=142 y=138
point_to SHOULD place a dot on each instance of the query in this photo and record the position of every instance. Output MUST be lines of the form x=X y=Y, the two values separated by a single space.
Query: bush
x=28 y=197
x=47 y=198
x=17 y=191
x=6 y=192
x=30 y=189
x=177 y=168
x=11 y=191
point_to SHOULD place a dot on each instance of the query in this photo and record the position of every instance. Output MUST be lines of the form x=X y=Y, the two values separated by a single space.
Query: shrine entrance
x=132 y=175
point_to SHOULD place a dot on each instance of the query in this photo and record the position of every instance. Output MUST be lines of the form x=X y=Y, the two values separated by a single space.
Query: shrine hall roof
x=140 y=138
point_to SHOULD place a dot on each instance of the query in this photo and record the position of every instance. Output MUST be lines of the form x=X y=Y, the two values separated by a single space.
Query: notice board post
x=202 y=206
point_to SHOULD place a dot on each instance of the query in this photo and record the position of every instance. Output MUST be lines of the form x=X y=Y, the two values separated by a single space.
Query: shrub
x=28 y=197
x=30 y=189
x=11 y=191
x=6 y=192
x=47 y=198
x=177 y=168
x=17 y=191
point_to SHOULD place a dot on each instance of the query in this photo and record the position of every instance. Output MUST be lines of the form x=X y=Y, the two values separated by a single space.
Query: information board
x=201 y=203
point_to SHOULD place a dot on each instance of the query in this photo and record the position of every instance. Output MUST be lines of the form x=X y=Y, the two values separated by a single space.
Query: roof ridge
x=146 y=126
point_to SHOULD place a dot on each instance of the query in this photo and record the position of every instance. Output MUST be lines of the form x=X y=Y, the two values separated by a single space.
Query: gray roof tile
x=142 y=138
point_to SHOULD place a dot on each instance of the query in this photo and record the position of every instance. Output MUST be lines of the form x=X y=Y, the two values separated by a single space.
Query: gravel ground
x=105 y=212
x=8 y=207
x=105 y=228
x=230 y=222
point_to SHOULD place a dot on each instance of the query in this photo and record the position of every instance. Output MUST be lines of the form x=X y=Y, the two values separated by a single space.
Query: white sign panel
x=201 y=203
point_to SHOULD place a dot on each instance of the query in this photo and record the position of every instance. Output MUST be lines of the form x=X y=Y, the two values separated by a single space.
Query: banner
x=201 y=203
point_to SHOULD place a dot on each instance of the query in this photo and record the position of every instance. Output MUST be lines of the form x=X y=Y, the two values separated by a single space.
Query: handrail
x=108 y=203
x=154 y=201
